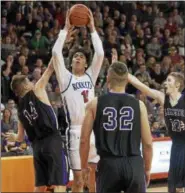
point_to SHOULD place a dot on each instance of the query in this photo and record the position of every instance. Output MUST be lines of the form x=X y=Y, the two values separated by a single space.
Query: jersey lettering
x=31 y=116
x=125 y=121
x=81 y=85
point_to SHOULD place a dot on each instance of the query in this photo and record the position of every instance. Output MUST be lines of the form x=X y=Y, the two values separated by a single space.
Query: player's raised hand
x=67 y=22
x=71 y=34
x=91 y=25
x=10 y=137
x=114 y=55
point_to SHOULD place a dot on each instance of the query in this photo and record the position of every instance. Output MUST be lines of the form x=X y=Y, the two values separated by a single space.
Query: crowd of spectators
x=148 y=36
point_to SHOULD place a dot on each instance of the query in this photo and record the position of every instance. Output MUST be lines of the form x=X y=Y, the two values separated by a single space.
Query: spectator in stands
x=12 y=107
x=170 y=25
x=154 y=48
x=160 y=21
x=7 y=123
x=166 y=46
x=157 y=74
x=8 y=47
x=4 y=25
x=39 y=43
x=177 y=19
x=36 y=75
x=174 y=55
x=166 y=65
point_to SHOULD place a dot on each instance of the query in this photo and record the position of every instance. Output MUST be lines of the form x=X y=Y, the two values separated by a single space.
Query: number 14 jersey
x=78 y=93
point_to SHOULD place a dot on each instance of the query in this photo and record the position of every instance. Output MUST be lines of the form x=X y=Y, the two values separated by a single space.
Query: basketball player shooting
x=119 y=122
x=37 y=118
x=77 y=89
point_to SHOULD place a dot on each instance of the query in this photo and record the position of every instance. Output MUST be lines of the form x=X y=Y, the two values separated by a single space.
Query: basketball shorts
x=73 y=135
x=176 y=175
x=116 y=174
x=50 y=162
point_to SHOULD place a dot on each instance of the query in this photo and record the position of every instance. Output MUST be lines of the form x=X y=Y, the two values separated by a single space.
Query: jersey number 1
x=85 y=94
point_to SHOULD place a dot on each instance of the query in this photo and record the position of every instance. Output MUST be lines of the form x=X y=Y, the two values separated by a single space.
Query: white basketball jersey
x=76 y=96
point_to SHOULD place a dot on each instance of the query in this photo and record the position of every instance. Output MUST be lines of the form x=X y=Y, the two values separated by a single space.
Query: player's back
x=117 y=125
x=75 y=97
x=38 y=118
x=175 y=119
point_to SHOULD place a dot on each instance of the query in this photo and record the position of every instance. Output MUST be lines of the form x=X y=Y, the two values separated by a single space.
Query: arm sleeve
x=97 y=61
x=62 y=74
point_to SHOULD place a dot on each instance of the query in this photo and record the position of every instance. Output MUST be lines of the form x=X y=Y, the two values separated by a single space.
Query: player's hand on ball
x=91 y=22
x=67 y=22
x=71 y=35
x=10 y=137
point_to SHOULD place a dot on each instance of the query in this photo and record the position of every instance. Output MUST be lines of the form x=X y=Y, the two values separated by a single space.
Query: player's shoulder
x=131 y=97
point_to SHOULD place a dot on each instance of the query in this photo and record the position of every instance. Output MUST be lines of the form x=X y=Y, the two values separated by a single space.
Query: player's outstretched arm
x=87 y=128
x=40 y=86
x=16 y=137
x=62 y=74
x=98 y=57
x=155 y=94
x=146 y=141
x=43 y=81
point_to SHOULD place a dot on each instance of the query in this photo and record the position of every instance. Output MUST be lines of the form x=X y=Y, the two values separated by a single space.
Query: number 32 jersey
x=117 y=125
x=78 y=93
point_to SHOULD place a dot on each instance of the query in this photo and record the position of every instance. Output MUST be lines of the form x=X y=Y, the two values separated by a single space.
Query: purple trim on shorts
x=64 y=173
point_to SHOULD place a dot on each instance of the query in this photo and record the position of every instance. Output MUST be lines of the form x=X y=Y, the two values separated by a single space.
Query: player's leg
x=93 y=159
x=40 y=168
x=134 y=174
x=176 y=174
x=60 y=189
x=40 y=189
x=73 y=140
x=57 y=162
x=108 y=176
x=92 y=177
x=78 y=181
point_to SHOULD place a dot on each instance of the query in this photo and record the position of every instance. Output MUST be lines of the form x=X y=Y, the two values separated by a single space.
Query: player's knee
x=40 y=189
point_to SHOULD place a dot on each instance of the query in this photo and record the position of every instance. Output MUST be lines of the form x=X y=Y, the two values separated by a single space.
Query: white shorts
x=73 y=144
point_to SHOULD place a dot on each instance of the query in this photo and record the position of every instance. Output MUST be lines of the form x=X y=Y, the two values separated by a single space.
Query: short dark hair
x=118 y=73
x=179 y=77
x=17 y=80
x=81 y=50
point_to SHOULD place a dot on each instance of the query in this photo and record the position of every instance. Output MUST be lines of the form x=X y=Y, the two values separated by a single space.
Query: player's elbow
x=101 y=53
x=147 y=146
x=54 y=52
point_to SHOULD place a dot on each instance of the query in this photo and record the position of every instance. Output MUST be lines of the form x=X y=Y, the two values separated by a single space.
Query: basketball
x=79 y=15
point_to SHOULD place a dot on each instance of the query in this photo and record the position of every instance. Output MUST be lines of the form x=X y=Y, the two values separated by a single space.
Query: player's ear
x=177 y=85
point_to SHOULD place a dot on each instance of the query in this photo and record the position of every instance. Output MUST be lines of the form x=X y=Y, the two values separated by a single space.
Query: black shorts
x=176 y=175
x=50 y=162
x=116 y=174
